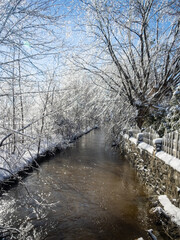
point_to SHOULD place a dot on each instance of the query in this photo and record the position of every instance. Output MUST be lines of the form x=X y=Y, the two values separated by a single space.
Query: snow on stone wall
x=159 y=171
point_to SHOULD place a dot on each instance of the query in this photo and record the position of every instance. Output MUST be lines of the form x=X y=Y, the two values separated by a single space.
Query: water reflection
x=86 y=192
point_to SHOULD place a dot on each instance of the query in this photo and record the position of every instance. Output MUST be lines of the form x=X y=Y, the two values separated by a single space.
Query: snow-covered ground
x=10 y=165
x=170 y=209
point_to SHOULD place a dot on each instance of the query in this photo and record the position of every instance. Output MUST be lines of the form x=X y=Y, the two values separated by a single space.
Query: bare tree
x=141 y=40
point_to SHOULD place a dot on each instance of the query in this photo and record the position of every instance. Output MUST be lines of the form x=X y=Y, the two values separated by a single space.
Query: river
x=86 y=192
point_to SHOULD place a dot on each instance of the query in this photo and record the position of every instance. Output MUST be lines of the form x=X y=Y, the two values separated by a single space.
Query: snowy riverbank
x=160 y=172
x=11 y=165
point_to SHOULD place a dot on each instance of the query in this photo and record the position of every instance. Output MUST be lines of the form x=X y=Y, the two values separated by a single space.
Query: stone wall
x=158 y=177
x=160 y=173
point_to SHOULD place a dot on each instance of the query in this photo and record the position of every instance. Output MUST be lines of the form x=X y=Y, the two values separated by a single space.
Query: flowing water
x=86 y=192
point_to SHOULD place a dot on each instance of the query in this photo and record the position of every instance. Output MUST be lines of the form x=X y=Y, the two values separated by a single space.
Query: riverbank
x=162 y=180
x=15 y=167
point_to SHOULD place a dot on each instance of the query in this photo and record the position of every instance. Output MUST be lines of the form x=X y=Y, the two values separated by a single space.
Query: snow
x=140 y=135
x=146 y=147
x=12 y=164
x=133 y=140
x=159 y=210
x=169 y=160
x=126 y=136
x=170 y=209
x=165 y=157
x=138 y=103
x=157 y=140
x=177 y=92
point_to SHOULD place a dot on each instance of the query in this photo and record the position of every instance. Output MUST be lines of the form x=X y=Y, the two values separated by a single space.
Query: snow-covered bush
x=173 y=116
x=170 y=118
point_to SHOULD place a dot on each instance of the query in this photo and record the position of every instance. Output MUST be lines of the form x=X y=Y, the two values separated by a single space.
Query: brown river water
x=86 y=192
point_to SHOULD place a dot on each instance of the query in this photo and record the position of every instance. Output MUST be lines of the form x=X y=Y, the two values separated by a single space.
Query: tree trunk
x=142 y=116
